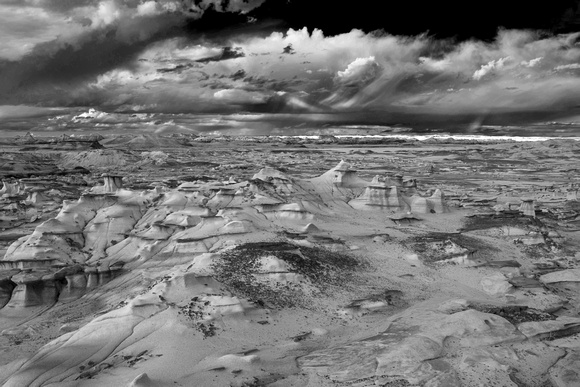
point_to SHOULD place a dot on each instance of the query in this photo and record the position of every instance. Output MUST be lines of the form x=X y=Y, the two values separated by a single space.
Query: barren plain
x=182 y=260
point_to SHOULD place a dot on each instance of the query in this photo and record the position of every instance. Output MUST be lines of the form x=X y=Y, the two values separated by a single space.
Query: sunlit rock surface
x=364 y=273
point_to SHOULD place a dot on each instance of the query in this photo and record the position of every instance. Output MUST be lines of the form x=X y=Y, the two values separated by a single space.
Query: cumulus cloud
x=490 y=67
x=361 y=70
x=571 y=66
x=531 y=62
x=240 y=96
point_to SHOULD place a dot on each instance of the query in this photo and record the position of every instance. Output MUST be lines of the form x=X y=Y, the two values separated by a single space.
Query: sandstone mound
x=409 y=351
x=214 y=281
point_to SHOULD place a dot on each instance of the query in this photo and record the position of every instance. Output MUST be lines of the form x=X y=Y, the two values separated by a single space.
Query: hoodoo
x=344 y=176
x=527 y=207
x=9 y=189
x=112 y=182
x=379 y=195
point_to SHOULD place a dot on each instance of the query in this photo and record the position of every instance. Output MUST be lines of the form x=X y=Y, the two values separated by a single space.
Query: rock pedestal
x=113 y=183
x=527 y=207
x=33 y=290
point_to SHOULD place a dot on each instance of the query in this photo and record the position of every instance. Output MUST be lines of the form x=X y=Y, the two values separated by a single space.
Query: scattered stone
x=495 y=285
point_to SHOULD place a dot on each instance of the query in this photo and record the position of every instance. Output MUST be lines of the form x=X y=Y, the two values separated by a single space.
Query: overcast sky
x=287 y=56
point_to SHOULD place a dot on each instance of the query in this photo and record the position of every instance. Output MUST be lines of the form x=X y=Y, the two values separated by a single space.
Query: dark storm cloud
x=240 y=74
x=519 y=71
x=227 y=53
x=190 y=56
x=177 y=68
x=49 y=47
x=288 y=50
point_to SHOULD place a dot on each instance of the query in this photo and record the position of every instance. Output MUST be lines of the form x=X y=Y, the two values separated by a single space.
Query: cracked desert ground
x=147 y=260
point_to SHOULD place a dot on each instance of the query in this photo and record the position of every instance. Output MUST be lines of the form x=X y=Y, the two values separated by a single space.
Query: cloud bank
x=133 y=55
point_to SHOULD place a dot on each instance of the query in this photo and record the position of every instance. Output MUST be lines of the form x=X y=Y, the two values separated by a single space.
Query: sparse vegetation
x=323 y=268
x=194 y=311
x=515 y=314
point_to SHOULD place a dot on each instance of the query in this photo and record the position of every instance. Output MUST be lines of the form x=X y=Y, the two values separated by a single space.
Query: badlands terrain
x=149 y=260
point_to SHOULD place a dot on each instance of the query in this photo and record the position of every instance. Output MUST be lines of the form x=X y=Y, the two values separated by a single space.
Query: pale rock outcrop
x=410 y=346
x=11 y=189
x=546 y=328
x=157 y=231
x=76 y=284
x=431 y=204
x=100 y=338
x=43 y=288
x=112 y=224
x=292 y=212
x=248 y=214
x=419 y=204
x=309 y=228
x=345 y=177
x=496 y=284
x=36 y=198
x=142 y=380
x=566 y=372
x=112 y=182
x=33 y=289
x=569 y=275
x=134 y=249
x=280 y=183
x=109 y=226
x=270 y=174
x=113 y=228
x=220 y=197
x=437 y=201
x=340 y=182
x=378 y=195
x=527 y=207
x=572 y=195
x=410 y=186
x=46 y=244
x=188 y=217
x=82 y=229
x=396 y=180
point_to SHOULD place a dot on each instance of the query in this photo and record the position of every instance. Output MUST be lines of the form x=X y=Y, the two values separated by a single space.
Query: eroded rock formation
x=254 y=262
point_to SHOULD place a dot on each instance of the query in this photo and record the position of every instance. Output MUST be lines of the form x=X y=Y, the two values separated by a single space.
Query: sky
x=420 y=61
